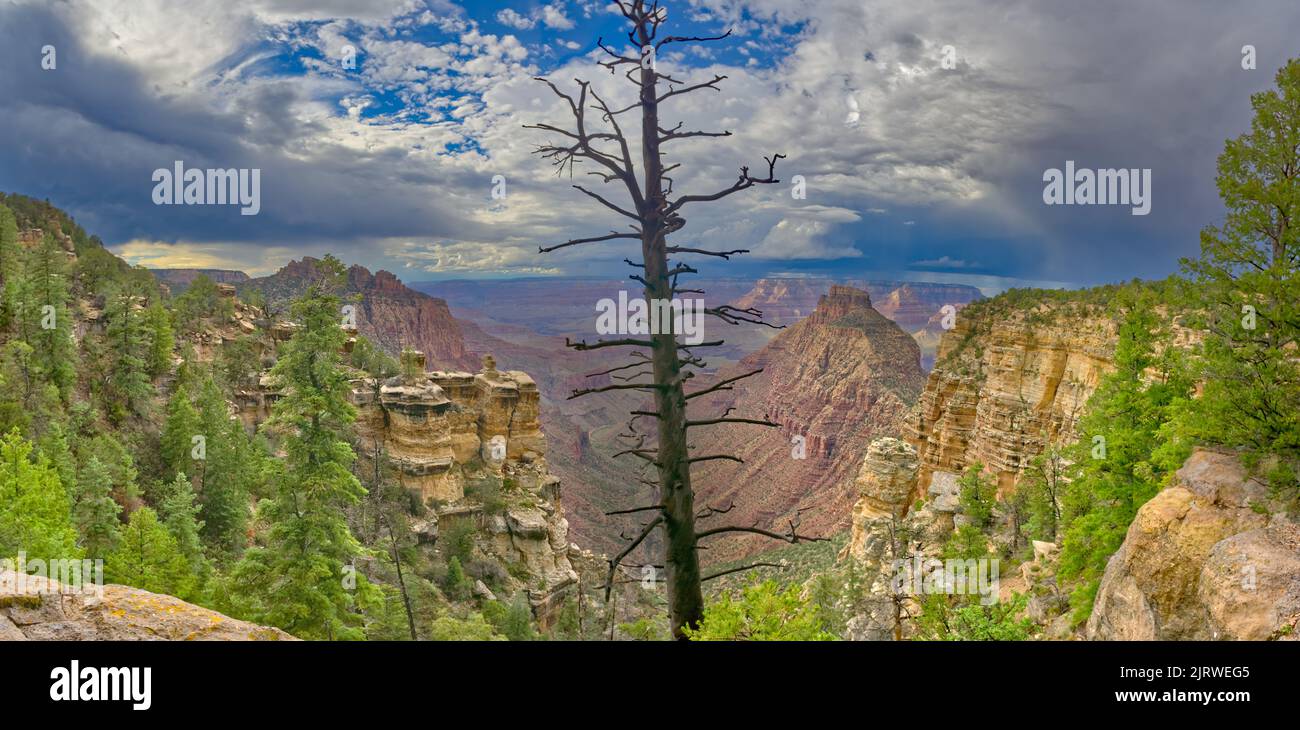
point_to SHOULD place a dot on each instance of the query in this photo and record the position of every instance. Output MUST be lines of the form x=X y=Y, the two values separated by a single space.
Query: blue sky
x=914 y=167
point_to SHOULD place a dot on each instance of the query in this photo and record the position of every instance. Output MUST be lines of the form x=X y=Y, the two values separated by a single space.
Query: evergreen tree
x=977 y=495
x=1124 y=455
x=1042 y=486
x=224 y=474
x=159 y=325
x=147 y=557
x=179 y=430
x=300 y=579
x=179 y=511
x=1248 y=282
x=94 y=510
x=47 y=321
x=35 y=515
x=518 y=624
x=128 y=386
x=117 y=458
x=10 y=264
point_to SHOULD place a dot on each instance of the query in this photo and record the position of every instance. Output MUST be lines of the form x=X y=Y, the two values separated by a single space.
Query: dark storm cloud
x=89 y=134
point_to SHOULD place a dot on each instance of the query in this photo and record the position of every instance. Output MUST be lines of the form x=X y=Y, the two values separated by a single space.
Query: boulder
x=1200 y=562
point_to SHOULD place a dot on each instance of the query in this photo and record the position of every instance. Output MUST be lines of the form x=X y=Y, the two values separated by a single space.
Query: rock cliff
x=386 y=311
x=835 y=381
x=1008 y=381
x=1200 y=562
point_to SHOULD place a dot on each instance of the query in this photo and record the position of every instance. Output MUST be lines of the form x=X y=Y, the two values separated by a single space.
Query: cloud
x=372 y=160
x=513 y=19
x=944 y=262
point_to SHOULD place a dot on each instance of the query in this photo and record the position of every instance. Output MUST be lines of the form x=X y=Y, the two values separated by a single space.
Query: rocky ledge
x=33 y=608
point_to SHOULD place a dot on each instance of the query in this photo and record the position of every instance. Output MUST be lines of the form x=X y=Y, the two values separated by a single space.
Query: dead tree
x=661 y=365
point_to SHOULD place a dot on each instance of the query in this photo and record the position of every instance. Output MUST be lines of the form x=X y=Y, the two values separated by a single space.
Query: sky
x=921 y=129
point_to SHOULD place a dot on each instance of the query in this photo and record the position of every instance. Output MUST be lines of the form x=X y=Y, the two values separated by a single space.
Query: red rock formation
x=392 y=315
x=835 y=381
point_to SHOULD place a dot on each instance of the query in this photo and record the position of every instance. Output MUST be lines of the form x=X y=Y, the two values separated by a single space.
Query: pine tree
x=129 y=388
x=179 y=511
x=178 y=433
x=35 y=516
x=224 y=474
x=10 y=264
x=147 y=557
x=159 y=325
x=48 y=323
x=1247 y=281
x=300 y=578
x=94 y=510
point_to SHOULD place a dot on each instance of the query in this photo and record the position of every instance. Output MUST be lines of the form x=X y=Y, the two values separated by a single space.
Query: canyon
x=834 y=381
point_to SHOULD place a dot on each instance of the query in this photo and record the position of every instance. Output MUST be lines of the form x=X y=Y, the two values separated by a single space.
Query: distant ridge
x=178 y=280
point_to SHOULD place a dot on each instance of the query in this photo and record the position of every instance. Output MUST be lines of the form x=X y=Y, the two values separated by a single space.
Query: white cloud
x=513 y=19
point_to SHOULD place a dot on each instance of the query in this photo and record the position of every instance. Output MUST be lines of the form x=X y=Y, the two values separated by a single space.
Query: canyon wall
x=1008 y=381
x=834 y=381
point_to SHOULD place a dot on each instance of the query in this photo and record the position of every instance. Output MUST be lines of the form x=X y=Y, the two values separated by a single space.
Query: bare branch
x=751 y=566
x=723 y=384
x=577 y=241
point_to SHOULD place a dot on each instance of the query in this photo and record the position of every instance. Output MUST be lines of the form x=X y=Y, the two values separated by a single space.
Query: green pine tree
x=223 y=475
x=35 y=514
x=47 y=321
x=1247 y=281
x=159 y=325
x=179 y=511
x=147 y=557
x=10 y=264
x=300 y=577
x=94 y=510
x=129 y=388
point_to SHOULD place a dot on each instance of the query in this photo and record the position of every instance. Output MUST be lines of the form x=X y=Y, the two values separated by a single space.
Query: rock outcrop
x=886 y=481
x=34 y=608
x=431 y=425
x=1007 y=382
x=1203 y=560
x=835 y=381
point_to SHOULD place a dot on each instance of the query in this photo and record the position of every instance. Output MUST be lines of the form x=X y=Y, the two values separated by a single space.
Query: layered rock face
x=835 y=381
x=885 y=483
x=34 y=608
x=1199 y=563
x=432 y=424
x=1006 y=384
x=917 y=307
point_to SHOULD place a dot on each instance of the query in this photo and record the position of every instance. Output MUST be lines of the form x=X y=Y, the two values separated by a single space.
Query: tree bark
x=681 y=564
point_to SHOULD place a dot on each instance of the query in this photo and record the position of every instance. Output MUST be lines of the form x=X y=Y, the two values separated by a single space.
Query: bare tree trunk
x=655 y=211
x=681 y=562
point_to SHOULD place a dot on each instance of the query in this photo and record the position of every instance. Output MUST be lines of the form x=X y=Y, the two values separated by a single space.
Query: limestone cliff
x=34 y=608
x=439 y=433
x=1008 y=381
